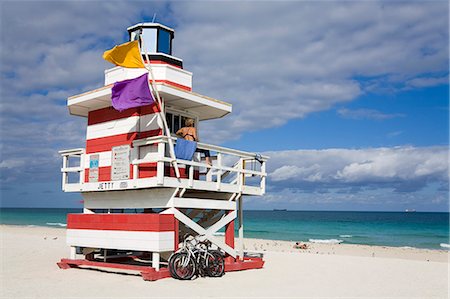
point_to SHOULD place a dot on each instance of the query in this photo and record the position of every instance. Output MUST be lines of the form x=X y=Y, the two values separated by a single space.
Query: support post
x=241 y=227
x=73 y=252
x=155 y=260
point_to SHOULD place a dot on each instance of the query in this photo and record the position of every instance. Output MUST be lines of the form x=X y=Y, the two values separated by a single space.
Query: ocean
x=399 y=229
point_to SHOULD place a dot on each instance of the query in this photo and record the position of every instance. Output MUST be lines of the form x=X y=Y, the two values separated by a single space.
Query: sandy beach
x=29 y=270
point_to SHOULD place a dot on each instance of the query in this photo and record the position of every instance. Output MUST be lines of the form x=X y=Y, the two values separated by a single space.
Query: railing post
x=219 y=170
x=191 y=176
x=82 y=168
x=64 y=173
x=241 y=174
x=160 y=164
x=209 y=174
x=135 y=174
x=263 y=178
x=135 y=157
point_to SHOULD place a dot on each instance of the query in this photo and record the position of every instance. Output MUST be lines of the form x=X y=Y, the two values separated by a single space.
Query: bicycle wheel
x=215 y=264
x=172 y=273
x=181 y=266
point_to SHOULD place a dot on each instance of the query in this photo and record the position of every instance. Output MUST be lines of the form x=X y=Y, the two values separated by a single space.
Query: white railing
x=230 y=166
x=220 y=170
x=77 y=153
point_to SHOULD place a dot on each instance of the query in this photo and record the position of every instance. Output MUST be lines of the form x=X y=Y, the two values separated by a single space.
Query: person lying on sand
x=299 y=245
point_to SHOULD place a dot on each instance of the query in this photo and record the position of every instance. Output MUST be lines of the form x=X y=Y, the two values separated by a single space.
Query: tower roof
x=149 y=25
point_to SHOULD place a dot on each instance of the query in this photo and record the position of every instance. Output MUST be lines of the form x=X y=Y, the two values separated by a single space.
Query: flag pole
x=161 y=116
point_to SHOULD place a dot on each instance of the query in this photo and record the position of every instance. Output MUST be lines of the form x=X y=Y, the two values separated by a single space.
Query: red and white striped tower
x=133 y=202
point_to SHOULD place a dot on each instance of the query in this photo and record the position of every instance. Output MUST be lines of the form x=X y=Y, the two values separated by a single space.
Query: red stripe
x=184 y=87
x=149 y=133
x=147 y=170
x=109 y=113
x=162 y=62
x=229 y=234
x=104 y=174
x=177 y=233
x=149 y=109
x=122 y=222
x=104 y=144
x=169 y=171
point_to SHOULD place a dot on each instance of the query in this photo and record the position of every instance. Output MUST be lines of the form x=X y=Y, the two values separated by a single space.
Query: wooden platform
x=149 y=273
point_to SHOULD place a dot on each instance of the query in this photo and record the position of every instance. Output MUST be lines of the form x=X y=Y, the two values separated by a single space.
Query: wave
x=345 y=236
x=257 y=231
x=326 y=241
x=445 y=245
x=56 y=224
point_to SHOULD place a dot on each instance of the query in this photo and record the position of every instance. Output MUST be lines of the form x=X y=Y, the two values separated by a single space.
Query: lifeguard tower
x=135 y=200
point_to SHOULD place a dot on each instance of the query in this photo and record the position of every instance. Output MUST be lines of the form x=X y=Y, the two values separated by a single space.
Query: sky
x=349 y=99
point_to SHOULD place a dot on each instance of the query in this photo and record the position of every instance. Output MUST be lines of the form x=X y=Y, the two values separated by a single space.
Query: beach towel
x=185 y=149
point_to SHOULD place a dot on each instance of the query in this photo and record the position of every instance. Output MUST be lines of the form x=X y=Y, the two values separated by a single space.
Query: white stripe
x=173 y=74
x=112 y=239
x=131 y=124
x=160 y=71
x=112 y=127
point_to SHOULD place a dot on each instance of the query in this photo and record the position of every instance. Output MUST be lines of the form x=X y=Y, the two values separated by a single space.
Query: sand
x=29 y=256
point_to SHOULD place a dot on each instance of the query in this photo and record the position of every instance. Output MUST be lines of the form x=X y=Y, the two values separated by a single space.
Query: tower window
x=164 y=42
x=176 y=120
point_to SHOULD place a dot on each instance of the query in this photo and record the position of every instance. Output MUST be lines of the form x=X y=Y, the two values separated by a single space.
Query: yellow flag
x=126 y=55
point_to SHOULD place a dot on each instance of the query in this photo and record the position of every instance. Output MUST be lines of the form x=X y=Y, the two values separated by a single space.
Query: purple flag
x=131 y=93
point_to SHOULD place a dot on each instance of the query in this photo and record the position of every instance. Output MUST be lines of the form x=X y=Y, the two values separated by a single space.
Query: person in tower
x=189 y=132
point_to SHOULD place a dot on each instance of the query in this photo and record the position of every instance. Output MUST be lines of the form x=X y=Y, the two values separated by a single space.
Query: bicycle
x=196 y=258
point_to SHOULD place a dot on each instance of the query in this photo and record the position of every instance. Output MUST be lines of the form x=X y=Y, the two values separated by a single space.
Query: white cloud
x=366 y=114
x=398 y=166
x=427 y=82
x=367 y=179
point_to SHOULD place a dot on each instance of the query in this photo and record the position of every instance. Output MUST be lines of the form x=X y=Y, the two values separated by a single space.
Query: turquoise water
x=39 y=217
x=421 y=230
